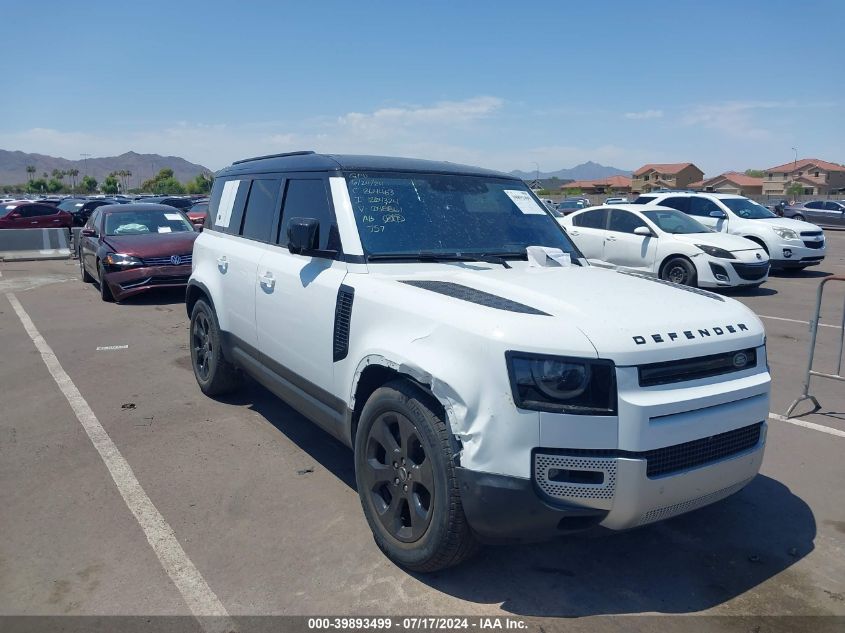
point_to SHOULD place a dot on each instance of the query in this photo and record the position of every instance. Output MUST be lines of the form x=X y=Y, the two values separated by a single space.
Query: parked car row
x=696 y=239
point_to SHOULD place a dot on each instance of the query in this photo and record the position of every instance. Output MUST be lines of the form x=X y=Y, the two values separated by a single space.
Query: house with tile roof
x=665 y=176
x=730 y=182
x=611 y=184
x=816 y=177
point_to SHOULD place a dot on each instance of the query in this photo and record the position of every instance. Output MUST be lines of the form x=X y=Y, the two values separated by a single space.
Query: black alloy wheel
x=398 y=477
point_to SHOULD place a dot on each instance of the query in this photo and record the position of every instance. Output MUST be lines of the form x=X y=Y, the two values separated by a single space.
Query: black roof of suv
x=311 y=161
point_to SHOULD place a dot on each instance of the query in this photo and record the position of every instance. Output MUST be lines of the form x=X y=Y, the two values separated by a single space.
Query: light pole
x=794 y=166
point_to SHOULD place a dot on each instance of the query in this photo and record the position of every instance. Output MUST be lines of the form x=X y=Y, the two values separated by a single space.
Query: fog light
x=787 y=252
x=719 y=273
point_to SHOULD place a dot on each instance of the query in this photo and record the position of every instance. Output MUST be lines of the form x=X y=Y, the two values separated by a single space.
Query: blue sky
x=724 y=84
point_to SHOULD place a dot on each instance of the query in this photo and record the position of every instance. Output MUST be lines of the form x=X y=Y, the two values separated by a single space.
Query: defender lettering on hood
x=720 y=330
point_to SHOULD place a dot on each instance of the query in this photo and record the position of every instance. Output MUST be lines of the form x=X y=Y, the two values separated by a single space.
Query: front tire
x=679 y=270
x=405 y=472
x=799 y=217
x=105 y=291
x=214 y=374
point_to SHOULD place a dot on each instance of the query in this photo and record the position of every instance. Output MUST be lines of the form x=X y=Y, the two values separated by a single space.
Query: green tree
x=55 y=185
x=574 y=191
x=795 y=189
x=164 y=182
x=38 y=186
x=754 y=173
x=110 y=184
x=30 y=170
x=73 y=173
x=201 y=184
x=88 y=184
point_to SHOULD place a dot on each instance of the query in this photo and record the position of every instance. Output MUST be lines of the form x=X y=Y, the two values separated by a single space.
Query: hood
x=790 y=223
x=628 y=318
x=153 y=244
x=732 y=243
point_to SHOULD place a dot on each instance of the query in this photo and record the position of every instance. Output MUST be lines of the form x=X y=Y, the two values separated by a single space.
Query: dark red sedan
x=131 y=248
x=25 y=214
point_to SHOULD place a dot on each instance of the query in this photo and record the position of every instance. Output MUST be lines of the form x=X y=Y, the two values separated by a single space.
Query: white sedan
x=668 y=244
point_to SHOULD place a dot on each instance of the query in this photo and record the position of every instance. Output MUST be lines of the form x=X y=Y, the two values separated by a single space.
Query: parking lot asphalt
x=264 y=504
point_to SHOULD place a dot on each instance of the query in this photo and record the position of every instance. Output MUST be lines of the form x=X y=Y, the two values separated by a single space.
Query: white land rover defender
x=493 y=385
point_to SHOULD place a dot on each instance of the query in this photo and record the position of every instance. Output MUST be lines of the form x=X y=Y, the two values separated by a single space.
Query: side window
x=36 y=210
x=832 y=206
x=702 y=207
x=591 y=219
x=814 y=205
x=643 y=199
x=92 y=220
x=624 y=221
x=679 y=203
x=308 y=198
x=226 y=204
x=260 y=212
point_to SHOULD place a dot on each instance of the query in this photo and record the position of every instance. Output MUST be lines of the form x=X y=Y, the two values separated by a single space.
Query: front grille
x=165 y=261
x=811 y=233
x=673 y=371
x=752 y=272
x=662 y=461
x=819 y=244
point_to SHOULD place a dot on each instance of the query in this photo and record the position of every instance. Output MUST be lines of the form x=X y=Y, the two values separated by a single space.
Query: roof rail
x=247 y=160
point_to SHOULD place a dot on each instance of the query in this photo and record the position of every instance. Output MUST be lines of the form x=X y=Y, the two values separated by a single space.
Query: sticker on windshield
x=227 y=202
x=172 y=216
x=525 y=202
x=164 y=229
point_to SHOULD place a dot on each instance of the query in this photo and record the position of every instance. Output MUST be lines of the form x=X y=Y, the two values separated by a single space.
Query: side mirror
x=86 y=232
x=303 y=235
x=718 y=214
x=644 y=231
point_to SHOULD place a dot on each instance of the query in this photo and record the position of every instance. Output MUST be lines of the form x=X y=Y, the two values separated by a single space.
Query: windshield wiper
x=427 y=256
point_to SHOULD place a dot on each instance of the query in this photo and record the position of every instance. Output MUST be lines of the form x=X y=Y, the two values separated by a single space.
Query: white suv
x=492 y=384
x=791 y=244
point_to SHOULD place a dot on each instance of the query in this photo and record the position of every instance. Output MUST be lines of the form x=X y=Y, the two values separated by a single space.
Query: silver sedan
x=821 y=212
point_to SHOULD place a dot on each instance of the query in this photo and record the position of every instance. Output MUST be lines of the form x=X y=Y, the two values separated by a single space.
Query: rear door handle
x=222 y=264
x=267 y=280
x=610 y=238
x=575 y=233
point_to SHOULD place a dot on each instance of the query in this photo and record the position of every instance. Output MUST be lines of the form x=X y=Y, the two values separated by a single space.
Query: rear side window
x=36 y=210
x=643 y=199
x=226 y=205
x=591 y=219
x=702 y=207
x=813 y=205
x=679 y=203
x=308 y=198
x=260 y=212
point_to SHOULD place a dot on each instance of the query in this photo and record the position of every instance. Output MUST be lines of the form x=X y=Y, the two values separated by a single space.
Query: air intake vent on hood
x=465 y=293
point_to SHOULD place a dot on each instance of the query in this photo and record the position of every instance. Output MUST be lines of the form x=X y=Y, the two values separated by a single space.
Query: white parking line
x=201 y=600
x=807 y=425
x=807 y=323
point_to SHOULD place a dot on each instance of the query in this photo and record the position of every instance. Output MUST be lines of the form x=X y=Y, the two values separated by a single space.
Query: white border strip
x=808 y=425
x=201 y=600
x=807 y=323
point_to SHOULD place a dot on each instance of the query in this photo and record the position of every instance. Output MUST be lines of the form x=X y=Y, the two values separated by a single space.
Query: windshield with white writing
x=449 y=214
x=675 y=222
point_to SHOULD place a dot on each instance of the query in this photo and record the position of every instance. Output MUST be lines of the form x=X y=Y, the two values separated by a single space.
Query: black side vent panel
x=342 y=321
x=465 y=293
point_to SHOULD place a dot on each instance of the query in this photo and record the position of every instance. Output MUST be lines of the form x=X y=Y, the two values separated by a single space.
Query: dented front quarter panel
x=457 y=349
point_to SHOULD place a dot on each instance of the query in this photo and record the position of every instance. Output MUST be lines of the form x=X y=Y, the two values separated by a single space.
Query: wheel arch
x=670 y=257
x=195 y=291
x=758 y=240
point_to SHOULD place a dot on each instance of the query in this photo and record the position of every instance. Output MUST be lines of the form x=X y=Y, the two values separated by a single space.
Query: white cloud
x=733 y=118
x=645 y=114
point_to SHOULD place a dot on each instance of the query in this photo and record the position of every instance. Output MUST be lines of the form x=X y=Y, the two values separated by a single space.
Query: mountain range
x=143 y=166
x=584 y=171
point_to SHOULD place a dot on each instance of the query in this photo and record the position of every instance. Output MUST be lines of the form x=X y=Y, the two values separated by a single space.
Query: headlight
x=122 y=261
x=784 y=233
x=577 y=386
x=715 y=251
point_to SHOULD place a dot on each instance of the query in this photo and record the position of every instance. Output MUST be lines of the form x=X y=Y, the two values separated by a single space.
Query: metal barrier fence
x=814 y=329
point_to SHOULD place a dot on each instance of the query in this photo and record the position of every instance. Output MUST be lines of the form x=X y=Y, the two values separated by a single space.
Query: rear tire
x=105 y=291
x=86 y=277
x=214 y=374
x=799 y=217
x=679 y=270
x=405 y=473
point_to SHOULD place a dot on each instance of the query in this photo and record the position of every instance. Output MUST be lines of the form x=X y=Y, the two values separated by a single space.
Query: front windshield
x=746 y=208
x=146 y=222
x=71 y=205
x=675 y=222
x=449 y=214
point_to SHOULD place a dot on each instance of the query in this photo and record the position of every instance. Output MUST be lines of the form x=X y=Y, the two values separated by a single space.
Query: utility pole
x=85 y=158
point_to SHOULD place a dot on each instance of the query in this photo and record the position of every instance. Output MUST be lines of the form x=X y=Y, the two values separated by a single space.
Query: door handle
x=267 y=280
x=222 y=264
x=610 y=238
x=575 y=233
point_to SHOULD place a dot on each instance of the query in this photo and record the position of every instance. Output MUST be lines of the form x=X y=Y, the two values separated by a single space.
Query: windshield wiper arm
x=427 y=256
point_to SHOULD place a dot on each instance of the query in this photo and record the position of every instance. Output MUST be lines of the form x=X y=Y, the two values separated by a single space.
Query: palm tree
x=73 y=173
x=30 y=169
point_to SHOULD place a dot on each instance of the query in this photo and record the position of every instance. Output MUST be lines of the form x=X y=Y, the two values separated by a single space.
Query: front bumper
x=125 y=283
x=502 y=508
x=807 y=251
x=729 y=273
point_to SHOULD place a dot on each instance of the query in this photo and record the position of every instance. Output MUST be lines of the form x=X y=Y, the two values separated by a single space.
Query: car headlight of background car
x=785 y=233
x=715 y=251
x=577 y=386
x=119 y=260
